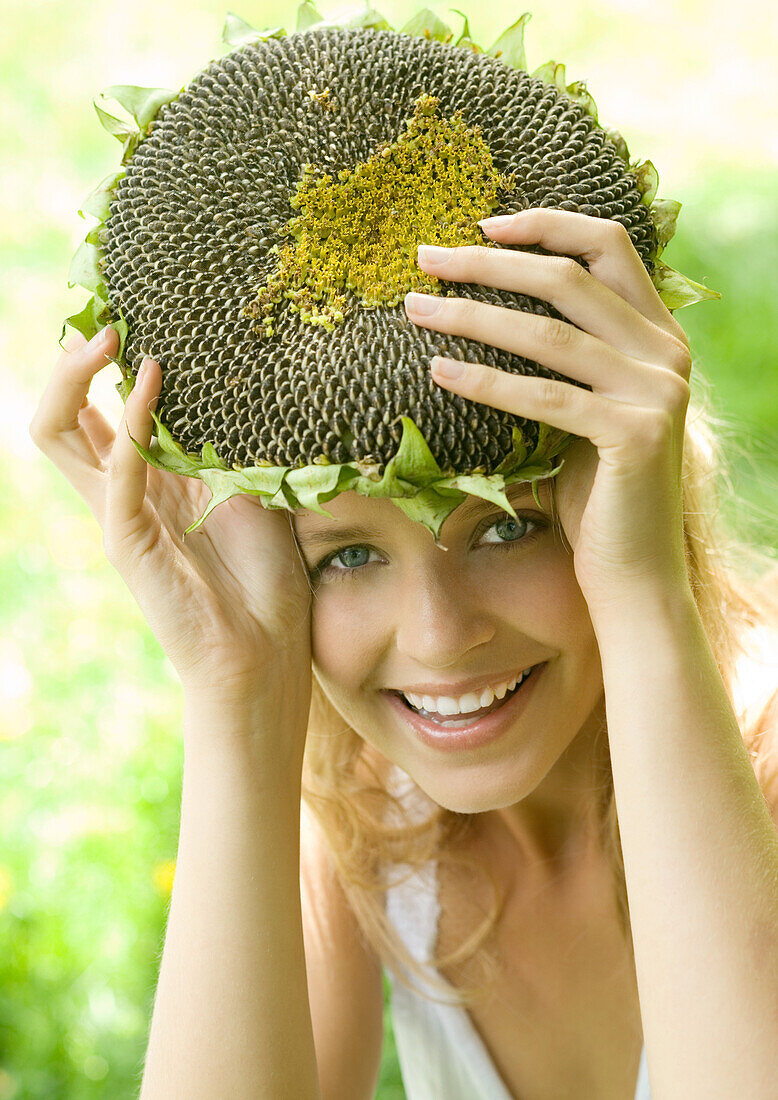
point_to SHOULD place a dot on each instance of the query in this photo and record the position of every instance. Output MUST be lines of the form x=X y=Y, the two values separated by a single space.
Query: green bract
x=411 y=479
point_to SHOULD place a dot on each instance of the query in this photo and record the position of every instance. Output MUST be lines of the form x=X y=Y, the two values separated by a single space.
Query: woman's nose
x=438 y=620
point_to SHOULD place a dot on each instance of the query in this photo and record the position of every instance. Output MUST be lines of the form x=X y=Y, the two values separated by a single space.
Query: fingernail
x=497 y=222
x=447 y=368
x=431 y=253
x=98 y=338
x=143 y=368
x=423 y=304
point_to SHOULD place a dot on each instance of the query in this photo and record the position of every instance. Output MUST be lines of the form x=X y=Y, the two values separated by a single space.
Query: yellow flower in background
x=6 y=887
x=162 y=876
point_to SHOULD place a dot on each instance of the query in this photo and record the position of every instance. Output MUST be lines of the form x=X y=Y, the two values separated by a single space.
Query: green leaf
x=676 y=290
x=427 y=21
x=414 y=461
x=124 y=388
x=648 y=181
x=264 y=479
x=509 y=47
x=117 y=127
x=429 y=508
x=619 y=142
x=122 y=329
x=308 y=483
x=465 y=29
x=553 y=72
x=125 y=132
x=487 y=486
x=665 y=214
x=161 y=459
x=282 y=499
x=88 y=321
x=578 y=92
x=142 y=103
x=221 y=490
x=517 y=455
x=307 y=16
x=173 y=449
x=551 y=441
x=97 y=201
x=211 y=459
x=370 y=20
x=237 y=32
x=85 y=268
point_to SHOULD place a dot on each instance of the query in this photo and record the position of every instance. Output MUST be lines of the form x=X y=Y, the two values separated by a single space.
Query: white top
x=439 y=1049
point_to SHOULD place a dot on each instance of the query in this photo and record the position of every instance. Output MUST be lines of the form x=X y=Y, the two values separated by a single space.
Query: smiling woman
x=512 y=651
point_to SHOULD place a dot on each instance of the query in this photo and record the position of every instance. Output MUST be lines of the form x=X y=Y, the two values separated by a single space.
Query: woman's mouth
x=476 y=728
x=458 y=721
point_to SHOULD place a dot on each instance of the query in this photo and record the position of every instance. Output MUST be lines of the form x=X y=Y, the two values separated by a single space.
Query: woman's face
x=392 y=610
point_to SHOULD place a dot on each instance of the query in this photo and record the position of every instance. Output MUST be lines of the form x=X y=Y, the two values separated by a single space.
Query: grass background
x=90 y=711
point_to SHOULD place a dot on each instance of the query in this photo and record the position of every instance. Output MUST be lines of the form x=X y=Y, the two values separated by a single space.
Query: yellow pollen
x=355 y=238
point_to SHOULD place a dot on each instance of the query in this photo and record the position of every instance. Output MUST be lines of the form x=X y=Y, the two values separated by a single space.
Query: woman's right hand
x=231 y=604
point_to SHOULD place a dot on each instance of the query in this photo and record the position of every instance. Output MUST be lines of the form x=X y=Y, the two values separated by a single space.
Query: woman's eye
x=510 y=530
x=351 y=560
x=353 y=556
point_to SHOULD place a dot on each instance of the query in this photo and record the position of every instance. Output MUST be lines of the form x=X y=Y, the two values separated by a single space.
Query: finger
x=127 y=507
x=97 y=428
x=69 y=384
x=606 y=422
x=554 y=344
x=56 y=428
x=604 y=244
x=560 y=280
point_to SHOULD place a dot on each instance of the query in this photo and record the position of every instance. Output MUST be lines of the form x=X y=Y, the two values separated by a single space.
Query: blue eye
x=509 y=530
x=350 y=558
x=354 y=559
x=347 y=556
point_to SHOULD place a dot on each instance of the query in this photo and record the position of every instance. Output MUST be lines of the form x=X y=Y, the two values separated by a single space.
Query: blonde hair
x=368 y=828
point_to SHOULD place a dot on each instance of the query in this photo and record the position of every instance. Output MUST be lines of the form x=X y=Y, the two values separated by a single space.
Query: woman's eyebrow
x=335 y=534
x=474 y=505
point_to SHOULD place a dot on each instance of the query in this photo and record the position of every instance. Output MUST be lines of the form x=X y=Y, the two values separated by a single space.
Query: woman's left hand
x=618 y=494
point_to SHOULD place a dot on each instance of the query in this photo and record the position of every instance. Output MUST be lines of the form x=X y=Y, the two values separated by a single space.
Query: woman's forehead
x=350 y=509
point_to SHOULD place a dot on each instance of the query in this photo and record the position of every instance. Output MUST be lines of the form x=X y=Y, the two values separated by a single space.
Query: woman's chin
x=473 y=795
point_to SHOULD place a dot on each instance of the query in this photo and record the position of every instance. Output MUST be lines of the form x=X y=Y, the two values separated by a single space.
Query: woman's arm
x=700 y=853
x=231 y=608
x=231 y=1015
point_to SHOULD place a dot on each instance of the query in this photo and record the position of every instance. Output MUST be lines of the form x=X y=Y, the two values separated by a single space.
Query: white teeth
x=487 y=697
x=465 y=704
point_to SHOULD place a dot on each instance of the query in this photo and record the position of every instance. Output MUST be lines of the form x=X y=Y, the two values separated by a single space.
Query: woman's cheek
x=544 y=593
x=345 y=633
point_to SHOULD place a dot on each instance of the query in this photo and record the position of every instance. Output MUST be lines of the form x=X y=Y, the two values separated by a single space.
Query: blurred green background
x=90 y=710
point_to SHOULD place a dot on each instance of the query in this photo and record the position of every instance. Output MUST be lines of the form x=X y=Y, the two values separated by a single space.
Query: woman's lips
x=475 y=731
x=471 y=714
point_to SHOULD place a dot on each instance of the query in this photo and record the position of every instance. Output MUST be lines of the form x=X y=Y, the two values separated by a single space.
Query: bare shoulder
x=345 y=987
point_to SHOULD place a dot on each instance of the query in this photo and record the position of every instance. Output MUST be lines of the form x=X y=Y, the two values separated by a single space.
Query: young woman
x=339 y=660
